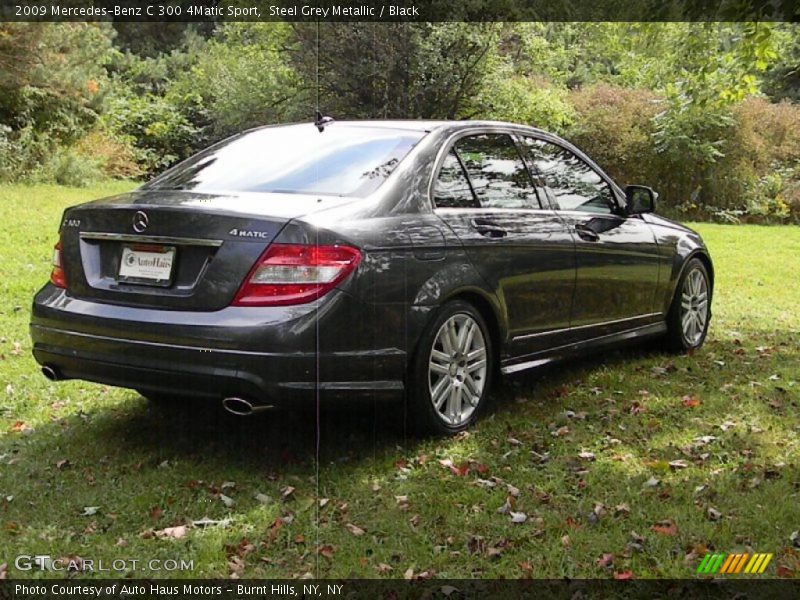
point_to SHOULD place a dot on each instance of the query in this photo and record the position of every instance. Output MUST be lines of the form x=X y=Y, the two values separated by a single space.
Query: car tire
x=690 y=313
x=451 y=373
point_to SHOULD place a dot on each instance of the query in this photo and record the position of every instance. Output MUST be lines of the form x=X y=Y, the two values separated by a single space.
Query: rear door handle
x=585 y=233
x=488 y=229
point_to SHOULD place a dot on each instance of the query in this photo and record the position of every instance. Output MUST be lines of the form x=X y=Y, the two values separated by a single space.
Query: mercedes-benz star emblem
x=140 y=221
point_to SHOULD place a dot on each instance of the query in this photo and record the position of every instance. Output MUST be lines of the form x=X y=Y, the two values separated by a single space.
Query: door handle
x=586 y=233
x=488 y=228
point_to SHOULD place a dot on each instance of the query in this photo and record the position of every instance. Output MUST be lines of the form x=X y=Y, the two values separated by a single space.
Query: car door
x=485 y=193
x=617 y=255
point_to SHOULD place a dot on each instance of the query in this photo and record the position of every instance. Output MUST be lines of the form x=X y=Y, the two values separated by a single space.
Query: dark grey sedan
x=380 y=258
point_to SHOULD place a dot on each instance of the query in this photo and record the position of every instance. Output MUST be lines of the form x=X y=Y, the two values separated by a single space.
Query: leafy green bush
x=68 y=167
x=156 y=130
x=528 y=100
x=615 y=126
x=738 y=162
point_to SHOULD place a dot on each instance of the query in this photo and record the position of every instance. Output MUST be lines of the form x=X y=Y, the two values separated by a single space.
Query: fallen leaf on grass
x=402 y=502
x=665 y=527
x=589 y=456
x=175 y=533
x=566 y=541
x=227 y=500
x=89 y=511
x=19 y=427
x=652 y=482
x=236 y=565
x=323 y=502
x=4 y=571
x=713 y=514
x=155 y=513
x=727 y=425
x=795 y=539
x=624 y=575
x=518 y=517
x=784 y=572
x=384 y=568
x=206 y=522
x=606 y=560
x=355 y=529
x=678 y=464
x=507 y=507
x=262 y=498
x=690 y=401
x=326 y=550
x=287 y=491
x=622 y=510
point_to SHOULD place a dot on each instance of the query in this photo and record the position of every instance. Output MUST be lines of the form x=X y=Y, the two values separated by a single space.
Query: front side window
x=496 y=171
x=572 y=182
x=296 y=159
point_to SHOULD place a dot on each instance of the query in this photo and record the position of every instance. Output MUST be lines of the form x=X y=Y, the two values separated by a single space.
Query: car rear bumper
x=277 y=356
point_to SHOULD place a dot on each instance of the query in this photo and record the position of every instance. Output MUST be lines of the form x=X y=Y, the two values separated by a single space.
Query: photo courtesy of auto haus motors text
x=124 y=590
x=420 y=299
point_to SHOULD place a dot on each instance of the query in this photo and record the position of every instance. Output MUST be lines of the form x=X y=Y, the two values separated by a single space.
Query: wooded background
x=706 y=113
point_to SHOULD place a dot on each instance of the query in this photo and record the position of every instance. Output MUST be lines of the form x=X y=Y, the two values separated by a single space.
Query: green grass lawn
x=634 y=461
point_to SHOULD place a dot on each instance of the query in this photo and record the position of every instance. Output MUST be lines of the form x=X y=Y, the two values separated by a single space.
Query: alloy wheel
x=694 y=307
x=457 y=369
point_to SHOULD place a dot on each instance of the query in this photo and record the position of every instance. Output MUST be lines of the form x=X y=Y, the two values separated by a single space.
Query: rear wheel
x=451 y=371
x=689 y=316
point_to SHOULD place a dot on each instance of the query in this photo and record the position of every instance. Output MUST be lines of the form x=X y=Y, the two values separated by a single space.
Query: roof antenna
x=320 y=121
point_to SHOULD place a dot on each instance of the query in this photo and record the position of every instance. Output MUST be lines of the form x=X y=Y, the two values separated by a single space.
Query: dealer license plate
x=148 y=265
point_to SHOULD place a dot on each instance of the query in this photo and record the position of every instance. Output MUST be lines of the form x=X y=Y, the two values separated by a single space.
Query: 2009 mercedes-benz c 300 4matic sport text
x=375 y=258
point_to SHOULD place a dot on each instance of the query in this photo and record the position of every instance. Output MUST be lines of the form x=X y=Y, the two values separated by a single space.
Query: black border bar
x=204 y=11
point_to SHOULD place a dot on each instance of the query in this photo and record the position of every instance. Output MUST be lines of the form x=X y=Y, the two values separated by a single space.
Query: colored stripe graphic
x=701 y=568
x=718 y=563
x=727 y=563
x=765 y=562
x=732 y=566
x=740 y=564
x=734 y=563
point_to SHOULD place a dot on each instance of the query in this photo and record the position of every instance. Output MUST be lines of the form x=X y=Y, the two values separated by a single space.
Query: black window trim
x=450 y=145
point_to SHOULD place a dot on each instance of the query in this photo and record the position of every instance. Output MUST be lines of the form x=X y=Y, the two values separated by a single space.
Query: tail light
x=289 y=274
x=57 y=276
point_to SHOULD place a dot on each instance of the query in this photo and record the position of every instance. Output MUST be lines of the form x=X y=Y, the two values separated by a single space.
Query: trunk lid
x=201 y=246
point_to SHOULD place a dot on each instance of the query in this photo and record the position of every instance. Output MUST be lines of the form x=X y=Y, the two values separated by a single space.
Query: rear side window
x=499 y=177
x=296 y=159
x=452 y=188
x=573 y=184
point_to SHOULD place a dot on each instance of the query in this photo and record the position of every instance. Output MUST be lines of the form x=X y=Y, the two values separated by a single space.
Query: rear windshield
x=341 y=161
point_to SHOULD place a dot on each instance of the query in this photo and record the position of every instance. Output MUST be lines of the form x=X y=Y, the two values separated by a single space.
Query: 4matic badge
x=249 y=233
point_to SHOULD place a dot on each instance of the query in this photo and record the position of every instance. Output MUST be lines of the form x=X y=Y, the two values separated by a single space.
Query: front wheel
x=451 y=371
x=689 y=316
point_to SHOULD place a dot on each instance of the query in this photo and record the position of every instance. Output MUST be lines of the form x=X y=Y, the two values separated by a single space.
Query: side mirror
x=640 y=199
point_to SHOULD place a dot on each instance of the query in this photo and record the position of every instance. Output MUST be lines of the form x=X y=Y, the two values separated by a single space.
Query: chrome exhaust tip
x=51 y=373
x=243 y=408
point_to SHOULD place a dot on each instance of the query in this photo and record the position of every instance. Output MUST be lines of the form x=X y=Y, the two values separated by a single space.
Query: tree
x=392 y=70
